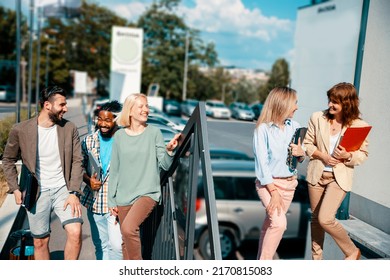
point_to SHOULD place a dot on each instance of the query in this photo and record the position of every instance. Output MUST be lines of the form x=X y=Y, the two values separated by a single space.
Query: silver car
x=241 y=111
x=239 y=210
x=217 y=109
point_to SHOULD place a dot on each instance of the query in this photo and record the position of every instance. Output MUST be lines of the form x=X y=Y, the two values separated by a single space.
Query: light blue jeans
x=48 y=201
x=106 y=236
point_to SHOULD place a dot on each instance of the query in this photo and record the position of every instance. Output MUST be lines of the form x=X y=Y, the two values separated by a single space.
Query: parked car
x=167 y=132
x=156 y=111
x=239 y=210
x=7 y=93
x=256 y=108
x=241 y=111
x=166 y=121
x=172 y=107
x=217 y=109
x=225 y=153
x=188 y=106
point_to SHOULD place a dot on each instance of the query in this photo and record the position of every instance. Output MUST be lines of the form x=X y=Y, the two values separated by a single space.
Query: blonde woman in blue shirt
x=275 y=181
x=138 y=155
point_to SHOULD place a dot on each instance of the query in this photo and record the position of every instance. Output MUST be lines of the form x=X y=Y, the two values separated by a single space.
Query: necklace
x=335 y=126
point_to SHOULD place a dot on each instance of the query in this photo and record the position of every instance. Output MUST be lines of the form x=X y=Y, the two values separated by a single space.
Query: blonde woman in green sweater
x=138 y=155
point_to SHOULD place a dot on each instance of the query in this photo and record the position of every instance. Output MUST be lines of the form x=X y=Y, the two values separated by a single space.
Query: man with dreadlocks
x=105 y=231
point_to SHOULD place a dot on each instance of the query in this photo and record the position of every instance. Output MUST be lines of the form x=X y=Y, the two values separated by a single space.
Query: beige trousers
x=325 y=199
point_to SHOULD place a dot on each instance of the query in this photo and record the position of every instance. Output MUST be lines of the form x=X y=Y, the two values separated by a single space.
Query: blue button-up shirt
x=270 y=147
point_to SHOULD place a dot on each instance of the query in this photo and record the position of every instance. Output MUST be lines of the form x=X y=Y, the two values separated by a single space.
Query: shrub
x=5 y=127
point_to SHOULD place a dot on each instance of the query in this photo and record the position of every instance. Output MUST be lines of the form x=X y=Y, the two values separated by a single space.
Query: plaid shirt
x=95 y=201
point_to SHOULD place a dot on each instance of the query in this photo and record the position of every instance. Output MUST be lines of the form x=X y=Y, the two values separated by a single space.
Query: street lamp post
x=38 y=58
x=30 y=58
x=47 y=65
x=18 y=55
x=184 y=96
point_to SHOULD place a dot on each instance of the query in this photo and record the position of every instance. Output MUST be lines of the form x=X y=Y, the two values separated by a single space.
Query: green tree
x=8 y=44
x=280 y=76
x=84 y=44
x=86 y=40
x=246 y=91
x=164 y=50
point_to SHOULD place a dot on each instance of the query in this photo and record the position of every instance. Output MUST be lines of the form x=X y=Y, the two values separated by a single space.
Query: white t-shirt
x=334 y=139
x=48 y=167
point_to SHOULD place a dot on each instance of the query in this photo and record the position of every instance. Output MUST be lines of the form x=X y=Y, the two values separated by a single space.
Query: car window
x=245 y=188
x=223 y=188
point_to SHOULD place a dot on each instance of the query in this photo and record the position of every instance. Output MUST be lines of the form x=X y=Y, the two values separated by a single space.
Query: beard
x=55 y=116
x=107 y=132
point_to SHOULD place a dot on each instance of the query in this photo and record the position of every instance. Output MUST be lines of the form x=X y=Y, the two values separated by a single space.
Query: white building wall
x=326 y=52
x=372 y=179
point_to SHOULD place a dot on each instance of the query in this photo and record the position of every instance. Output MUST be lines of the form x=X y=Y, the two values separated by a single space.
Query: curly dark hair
x=112 y=106
x=345 y=94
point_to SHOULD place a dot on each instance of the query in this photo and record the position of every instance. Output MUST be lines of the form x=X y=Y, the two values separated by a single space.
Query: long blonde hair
x=278 y=105
x=124 y=117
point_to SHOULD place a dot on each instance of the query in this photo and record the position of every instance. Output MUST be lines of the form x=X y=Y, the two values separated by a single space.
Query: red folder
x=354 y=137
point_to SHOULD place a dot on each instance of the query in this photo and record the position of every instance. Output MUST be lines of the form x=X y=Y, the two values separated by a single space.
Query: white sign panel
x=126 y=62
x=80 y=82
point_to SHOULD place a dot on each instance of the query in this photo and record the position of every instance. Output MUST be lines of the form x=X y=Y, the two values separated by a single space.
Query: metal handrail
x=169 y=231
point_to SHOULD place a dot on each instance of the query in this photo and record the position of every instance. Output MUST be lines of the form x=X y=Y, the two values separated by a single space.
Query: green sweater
x=136 y=162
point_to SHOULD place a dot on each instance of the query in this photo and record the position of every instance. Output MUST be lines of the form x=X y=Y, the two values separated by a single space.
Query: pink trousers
x=274 y=226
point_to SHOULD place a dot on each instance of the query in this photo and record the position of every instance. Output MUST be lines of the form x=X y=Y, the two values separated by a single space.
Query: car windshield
x=218 y=105
x=243 y=106
x=193 y=102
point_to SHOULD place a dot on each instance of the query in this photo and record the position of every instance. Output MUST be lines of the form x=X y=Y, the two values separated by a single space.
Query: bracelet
x=75 y=193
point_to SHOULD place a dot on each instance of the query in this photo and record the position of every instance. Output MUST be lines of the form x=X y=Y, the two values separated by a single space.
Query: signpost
x=126 y=62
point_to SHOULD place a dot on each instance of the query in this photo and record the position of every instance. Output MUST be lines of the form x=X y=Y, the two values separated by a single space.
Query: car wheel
x=228 y=245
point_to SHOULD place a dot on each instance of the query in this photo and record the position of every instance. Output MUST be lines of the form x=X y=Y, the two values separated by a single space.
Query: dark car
x=7 y=93
x=172 y=107
x=188 y=106
x=225 y=153
x=256 y=108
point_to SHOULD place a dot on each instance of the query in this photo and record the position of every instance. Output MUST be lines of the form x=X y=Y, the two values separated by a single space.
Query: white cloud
x=216 y=16
x=231 y=16
x=130 y=11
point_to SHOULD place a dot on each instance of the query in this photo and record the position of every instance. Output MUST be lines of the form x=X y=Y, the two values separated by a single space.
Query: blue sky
x=247 y=33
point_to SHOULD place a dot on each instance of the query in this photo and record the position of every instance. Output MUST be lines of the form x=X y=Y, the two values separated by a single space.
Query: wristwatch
x=75 y=193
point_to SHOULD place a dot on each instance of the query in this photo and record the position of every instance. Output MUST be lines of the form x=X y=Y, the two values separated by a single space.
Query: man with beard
x=105 y=230
x=50 y=148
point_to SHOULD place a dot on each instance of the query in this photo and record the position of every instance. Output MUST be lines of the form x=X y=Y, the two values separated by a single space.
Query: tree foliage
x=280 y=76
x=8 y=44
x=84 y=44
x=165 y=49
